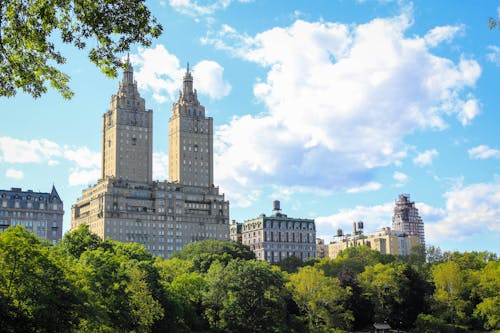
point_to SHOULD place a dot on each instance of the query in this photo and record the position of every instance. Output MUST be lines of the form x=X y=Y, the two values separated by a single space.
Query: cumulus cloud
x=339 y=100
x=400 y=177
x=83 y=157
x=159 y=71
x=438 y=35
x=28 y=151
x=371 y=186
x=468 y=210
x=483 y=152
x=374 y=218
x=14 y=174
x=83 y=177
x=209 y=79
x=84 y=163
x=425 y=158
x=201 y=8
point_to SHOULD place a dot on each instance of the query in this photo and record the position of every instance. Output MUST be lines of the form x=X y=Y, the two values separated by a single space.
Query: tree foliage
x=31 y=32
x=85 y=284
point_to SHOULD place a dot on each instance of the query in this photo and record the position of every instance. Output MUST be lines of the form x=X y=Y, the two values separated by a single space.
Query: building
x=39 y=212
x=126 y=204
x=235 y=232
x=385 y=241
x=321 y=248
x=406 y=218
x=276 y=237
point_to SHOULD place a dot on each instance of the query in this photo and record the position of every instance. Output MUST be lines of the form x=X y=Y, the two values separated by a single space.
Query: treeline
x=84 y=284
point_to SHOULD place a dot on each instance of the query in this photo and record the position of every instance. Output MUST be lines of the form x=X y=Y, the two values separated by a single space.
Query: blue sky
x=334 y=107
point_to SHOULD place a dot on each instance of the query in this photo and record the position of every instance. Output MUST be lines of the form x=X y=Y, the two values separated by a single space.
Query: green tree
x=245 y=296
x=488 y=288
x=450 y=287
x=387 y=287
x=80 y=240
x=28 y=28
x=203 y=253
x=321 y=298
x=35 y=294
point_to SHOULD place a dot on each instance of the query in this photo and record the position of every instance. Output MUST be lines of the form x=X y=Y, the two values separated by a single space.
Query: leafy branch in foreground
x=28 y=31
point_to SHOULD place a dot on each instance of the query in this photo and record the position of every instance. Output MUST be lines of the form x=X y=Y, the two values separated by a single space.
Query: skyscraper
x=407 y=219
x=126 y=204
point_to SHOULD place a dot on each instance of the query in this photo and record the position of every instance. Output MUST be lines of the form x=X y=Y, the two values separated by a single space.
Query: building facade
x=406 y=218
x=276 y=237
x=127 y=205
x=385 y=241
x=39 y=212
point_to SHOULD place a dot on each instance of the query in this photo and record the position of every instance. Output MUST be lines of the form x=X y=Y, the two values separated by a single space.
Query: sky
x=333 y=107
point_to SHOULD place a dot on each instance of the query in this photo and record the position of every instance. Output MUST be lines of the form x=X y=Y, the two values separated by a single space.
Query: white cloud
x=83 y=177
x=400 y=177
x=371 y=186
x=209 y=80
x=469 y=210
x=159 y=71
x=425 y=158
x=470 y=110
x=441 y=34
x=339 y=101
x=14 y=174
x=33 y=151
x=199 y=8
x=483 y=152
x=83 y=157
x=160 y=166
x=494 y=54
x=374 y=218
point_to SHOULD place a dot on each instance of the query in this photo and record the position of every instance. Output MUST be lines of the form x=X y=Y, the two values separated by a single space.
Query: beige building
x=276 y=237
x=385 y=241
x=39 y=212
x=127 y=205
x=321 y=248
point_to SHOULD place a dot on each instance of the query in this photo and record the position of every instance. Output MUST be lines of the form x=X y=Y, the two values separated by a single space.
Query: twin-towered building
x=126 y=204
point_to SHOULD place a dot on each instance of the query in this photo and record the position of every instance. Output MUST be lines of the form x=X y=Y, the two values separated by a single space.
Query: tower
x=406 y=218
x=126 y=204
x=190 y=139
x=127 y=134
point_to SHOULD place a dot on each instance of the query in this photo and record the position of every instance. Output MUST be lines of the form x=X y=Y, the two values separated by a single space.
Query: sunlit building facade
x=39 y=212
x=126 y=204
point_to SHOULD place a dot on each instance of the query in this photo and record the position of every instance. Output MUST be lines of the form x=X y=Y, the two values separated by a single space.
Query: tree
x=28 y=28
x=321 y=298
x=488 y=310
x=80 y=240
x=203 y=253
x=450 y=283
x=387 y=287
x=35 y=294
x=245 y=296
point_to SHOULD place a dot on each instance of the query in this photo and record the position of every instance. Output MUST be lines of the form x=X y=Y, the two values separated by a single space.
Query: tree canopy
x=86 y=284
x=31 y=32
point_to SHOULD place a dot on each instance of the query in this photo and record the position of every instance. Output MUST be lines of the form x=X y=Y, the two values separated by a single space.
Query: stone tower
x=190 y=139
x=127 y=134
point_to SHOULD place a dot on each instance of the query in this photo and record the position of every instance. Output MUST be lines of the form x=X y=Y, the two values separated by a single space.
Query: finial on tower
x=187 y=70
